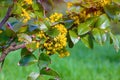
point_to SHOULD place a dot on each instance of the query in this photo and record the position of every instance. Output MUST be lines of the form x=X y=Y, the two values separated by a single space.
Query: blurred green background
x=101 y=63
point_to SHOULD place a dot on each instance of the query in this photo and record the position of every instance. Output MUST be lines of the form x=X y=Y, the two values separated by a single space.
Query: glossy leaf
x=68 y=23
x=102 y=22
x=25 y=37
x=113 y=11
x=24 y=52
x=99 y=35
x=70 y=43
x=49 y=71
x=32 y=28
x=88 y=41
x=115 y=41
x=44 y=60
x=43 y=27
x=73 y=36
x=27 y=60
x=33 y=76
x=53 y=32
x=31 y=46
x=23 y=29
x=85 y=27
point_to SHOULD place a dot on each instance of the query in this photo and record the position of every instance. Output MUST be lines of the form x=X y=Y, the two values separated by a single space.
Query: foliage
x=35 y=28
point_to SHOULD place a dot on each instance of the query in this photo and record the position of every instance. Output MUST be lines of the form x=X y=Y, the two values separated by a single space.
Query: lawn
x=100 y=63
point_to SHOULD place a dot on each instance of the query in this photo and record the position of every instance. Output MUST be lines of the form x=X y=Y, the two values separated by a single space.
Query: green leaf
x=3 y=38
x=85 y=27
x=23 y=29
x=27 y=60
x=24 y=52
x=88 y=41
x=117 y=1
x=102 y=22
x=44 y=60
x=33 y=76
x=49 y=71
x=9 y=30
x=53 y=32
x=73 y=36
x=32 y=28
x=31 y=46
x=115 y=41
x=99 y=35
x=43 y=27
x=70 y=43
x=113 y=11
x=25 y=37
x=68 y=23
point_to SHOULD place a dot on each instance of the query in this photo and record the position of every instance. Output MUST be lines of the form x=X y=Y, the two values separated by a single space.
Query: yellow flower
x=25 y=15
x=55 y=17
x=1 y=31
x=104 y=2
x=69 y=4
x=37 y=44
x=57 y=43
x=28 y=1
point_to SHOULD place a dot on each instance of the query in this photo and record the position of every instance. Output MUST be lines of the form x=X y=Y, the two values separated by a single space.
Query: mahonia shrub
x=41 y=26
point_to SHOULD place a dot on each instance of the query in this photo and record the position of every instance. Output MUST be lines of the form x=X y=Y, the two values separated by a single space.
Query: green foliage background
x=101 y=63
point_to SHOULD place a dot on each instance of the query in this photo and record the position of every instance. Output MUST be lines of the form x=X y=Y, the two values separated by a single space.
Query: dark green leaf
x=99 y=35
x=44 y=60
x=49 y=71
x=102 y=22
x=32 y=28
x=53 y=32
x=3 y=38
x=115 y=41
x=88 y=41
x=85 y=27
x=70 y=43
x=73 y=36
x=113 y=11
x=24 y=52
x=27 y=60
x=68 y=23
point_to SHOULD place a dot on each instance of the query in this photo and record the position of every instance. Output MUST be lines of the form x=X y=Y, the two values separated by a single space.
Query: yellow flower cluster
x=1 y=31
x=55 y=17
x=28 y=1
x=56 y=44
x=104 y=2
x=26 y=15
x=69 y=4
x=74 y=17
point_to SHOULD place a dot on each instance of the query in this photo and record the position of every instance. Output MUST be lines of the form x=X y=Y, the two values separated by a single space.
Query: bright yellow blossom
x=1 y=31
x=69 y=4
x=55 y=17
x=104 y=2
x=28 y=1
x=57 y=43
x=25 y=15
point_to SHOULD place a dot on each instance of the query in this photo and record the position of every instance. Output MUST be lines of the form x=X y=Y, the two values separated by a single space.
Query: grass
x=101 y=63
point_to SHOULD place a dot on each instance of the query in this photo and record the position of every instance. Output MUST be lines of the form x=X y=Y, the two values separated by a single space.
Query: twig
x=8 y=14
x=12 y=47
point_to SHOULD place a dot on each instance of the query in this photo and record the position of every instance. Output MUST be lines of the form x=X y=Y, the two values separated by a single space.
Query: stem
x=8 y=14
x=12 y=47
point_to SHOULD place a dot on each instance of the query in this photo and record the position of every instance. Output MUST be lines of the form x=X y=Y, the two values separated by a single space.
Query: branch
x=12 y=47
x=8 y=14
